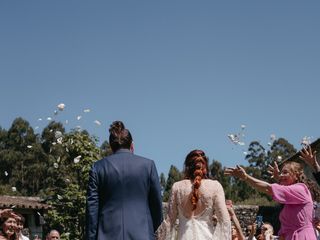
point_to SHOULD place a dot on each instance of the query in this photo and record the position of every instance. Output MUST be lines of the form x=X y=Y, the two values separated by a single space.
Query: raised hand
x=309 y=156
x=237 y=172
x=274 y=171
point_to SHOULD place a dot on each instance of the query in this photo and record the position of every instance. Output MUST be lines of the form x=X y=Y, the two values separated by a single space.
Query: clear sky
x=180 y=74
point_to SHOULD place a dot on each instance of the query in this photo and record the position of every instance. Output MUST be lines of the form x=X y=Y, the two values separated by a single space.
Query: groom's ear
x=132 y=147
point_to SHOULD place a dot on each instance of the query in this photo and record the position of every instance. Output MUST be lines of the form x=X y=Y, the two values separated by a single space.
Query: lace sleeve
x=223 y=227
x=166 y=231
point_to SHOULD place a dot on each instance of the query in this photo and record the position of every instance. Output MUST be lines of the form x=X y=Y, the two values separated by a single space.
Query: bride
x=198 y=203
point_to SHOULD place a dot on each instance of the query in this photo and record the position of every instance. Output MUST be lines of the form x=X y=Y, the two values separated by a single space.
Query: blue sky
x=180 y=74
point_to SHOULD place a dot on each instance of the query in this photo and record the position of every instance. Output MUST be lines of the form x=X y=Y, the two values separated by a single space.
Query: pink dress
x=297 y=214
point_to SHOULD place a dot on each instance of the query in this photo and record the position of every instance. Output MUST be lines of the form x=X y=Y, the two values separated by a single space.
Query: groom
x=123 y=198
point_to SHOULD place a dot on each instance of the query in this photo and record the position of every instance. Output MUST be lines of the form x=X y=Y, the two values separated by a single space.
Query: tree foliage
x=55 y=165
x=174 y=175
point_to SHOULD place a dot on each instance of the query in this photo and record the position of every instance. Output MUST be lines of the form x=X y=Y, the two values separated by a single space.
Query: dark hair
x=120 y=137
x=195 y=169
x=22 y=218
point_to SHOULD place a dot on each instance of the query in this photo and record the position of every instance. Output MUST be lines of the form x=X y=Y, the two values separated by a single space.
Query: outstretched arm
x=236 y=223
x=240 y=173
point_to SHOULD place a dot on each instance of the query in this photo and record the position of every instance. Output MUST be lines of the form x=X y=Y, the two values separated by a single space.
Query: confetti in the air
x=61 y=106
x=6 y=173
x=29 y=146
x=79 y=117
x=14 y=189
x=87 y=110
x=55 y=165
x=237 y=138
x=58 y=134
x=59 y=140
x=272 y=137
x=39 y=119
x=279 y=158
x=49 y=118
x=305 y=141
x=59 y=197
x=97 y=122
x=77 y=159
x=234 y=138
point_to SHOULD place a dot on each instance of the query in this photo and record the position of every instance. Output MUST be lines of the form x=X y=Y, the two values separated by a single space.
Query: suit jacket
x=123 y=198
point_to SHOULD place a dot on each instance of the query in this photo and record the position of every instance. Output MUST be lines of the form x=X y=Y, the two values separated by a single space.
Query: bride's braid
x=196 y=168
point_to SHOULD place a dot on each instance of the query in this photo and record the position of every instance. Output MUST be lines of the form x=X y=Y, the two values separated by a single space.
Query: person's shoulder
x=212 y=184
x=182 y=184
x=24 y=237
x=100 y=161
x=143 y=160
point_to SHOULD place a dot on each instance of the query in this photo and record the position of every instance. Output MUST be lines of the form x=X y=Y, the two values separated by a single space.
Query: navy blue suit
x=123 y=198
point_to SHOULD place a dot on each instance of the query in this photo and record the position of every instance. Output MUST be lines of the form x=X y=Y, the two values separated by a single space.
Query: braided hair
x=196 y=169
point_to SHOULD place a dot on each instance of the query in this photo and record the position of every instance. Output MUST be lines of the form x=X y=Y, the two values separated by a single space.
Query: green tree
x=22 y=158
x=162 y=182
x=174 y=175
x=281 y=149
x=105 y=149
x=69 y=195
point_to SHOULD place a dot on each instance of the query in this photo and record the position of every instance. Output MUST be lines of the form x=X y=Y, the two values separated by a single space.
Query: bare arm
x=237 y=225
x=240 y=173
x=253 y=231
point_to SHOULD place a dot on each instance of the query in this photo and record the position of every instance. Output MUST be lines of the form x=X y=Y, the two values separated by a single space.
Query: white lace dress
x=198 y=224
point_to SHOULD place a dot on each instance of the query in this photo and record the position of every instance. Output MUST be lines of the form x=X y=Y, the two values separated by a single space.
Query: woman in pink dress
x=293 y=191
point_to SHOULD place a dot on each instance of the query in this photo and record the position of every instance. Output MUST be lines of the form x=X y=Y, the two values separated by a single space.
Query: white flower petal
x=97 y=122
x=77 y=159
x=61 y=106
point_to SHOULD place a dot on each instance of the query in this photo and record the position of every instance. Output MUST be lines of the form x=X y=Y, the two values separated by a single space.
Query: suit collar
x=123 y=150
